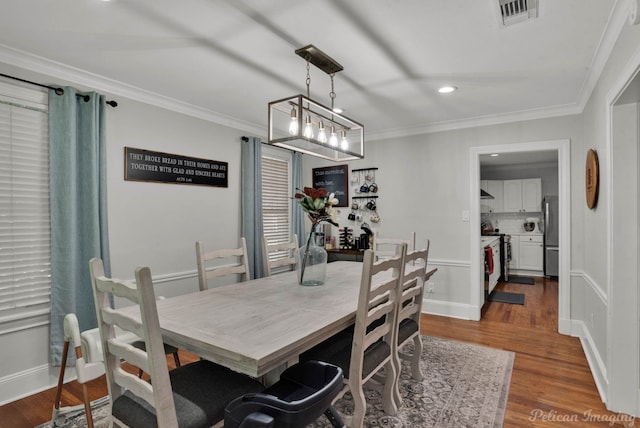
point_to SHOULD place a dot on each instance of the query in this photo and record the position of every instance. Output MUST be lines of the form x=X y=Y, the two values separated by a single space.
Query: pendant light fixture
x=301 y=124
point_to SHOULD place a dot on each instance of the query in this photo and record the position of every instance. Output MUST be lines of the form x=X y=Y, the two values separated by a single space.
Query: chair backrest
x=387 y=247
x=377 y=307
x=157 y=393
x=206 y=272
x=279 y=255
x=412 y=286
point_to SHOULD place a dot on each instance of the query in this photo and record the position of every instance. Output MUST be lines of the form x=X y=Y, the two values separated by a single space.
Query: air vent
x=514 y=11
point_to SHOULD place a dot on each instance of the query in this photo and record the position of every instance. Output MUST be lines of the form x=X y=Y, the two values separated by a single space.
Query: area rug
x=506 y=297
x=522 y=280
x=464 y=385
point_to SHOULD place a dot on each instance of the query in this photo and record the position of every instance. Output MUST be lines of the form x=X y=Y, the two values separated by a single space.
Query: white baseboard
x=596 y=364
x=448 y=309
x=32 y=381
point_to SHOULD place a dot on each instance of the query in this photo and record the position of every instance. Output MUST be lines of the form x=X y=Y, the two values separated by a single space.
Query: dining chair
x=410 y=300
x=386 y=247
x=303 y=394
x=207 y=272
x=364 y=350
x=279 y=256
x=193 y=395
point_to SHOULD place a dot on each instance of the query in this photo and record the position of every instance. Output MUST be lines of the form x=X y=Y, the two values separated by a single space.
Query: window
x=276 y=198
x=25 y=262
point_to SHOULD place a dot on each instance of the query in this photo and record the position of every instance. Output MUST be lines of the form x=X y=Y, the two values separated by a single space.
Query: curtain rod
x=58 y=91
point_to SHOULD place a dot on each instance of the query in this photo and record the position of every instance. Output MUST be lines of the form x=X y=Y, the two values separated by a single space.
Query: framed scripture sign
x=335 y=180
x=146 y=165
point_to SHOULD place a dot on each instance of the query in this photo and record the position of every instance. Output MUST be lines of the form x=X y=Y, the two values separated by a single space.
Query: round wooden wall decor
x=592 y=178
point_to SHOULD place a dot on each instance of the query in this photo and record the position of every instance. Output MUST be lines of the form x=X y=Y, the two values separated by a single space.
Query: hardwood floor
x=551 y=384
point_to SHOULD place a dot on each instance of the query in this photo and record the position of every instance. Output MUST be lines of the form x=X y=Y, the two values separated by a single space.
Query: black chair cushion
x=201 y=391
x=337 y=350
x=407 y=328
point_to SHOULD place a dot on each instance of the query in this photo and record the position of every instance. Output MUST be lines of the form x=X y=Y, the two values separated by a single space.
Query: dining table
x=256 y=326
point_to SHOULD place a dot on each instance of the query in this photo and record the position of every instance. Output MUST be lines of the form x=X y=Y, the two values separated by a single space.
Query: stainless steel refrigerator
x=550 y=230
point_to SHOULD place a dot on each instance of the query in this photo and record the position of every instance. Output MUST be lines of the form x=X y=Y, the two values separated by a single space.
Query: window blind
x=25 y=262
x=276 y=202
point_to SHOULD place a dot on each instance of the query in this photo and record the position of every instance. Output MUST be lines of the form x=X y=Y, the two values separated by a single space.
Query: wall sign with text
x=335 y=180
x=146 y=165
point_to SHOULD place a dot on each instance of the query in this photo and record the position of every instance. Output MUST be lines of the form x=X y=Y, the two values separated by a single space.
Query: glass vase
x=312 y=263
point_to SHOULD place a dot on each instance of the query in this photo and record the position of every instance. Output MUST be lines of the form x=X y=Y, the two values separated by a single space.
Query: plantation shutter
x=276 y=201
x=25 y=263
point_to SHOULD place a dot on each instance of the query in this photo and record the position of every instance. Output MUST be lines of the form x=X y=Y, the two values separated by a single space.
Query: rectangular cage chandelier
x=301 y=124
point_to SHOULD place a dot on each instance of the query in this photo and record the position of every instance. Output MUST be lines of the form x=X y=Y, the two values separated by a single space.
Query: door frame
x=476 y=291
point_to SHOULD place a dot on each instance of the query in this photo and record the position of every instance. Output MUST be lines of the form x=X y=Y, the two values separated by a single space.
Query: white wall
x=424 y=187
x=150 y=224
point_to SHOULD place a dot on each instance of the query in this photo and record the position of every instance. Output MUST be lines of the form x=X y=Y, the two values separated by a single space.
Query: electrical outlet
x=430 y=287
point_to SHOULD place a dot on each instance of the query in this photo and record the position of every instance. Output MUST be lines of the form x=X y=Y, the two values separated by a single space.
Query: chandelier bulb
x=293 y=125
x=308 y=129
x=322 y=134
x=333 y=138
x=344 y=143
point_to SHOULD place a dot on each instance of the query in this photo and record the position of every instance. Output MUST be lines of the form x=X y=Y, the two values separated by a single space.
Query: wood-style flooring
x=551 y=384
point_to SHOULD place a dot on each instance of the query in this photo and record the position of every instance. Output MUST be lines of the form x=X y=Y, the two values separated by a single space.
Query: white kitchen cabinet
x=522 y=195
x=530 y=252
x=496 y=189
x=532 y=195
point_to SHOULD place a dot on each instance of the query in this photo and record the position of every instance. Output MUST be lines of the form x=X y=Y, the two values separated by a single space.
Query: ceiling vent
x=514 y=11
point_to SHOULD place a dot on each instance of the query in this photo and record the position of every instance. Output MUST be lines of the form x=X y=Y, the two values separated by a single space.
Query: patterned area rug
x=464 y=385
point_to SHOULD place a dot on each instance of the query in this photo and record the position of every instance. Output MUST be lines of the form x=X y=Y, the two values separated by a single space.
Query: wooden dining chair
x=279 y=256
x=409 y=309
x=194 y=395
x=207 y=272
x=370 y=345
x=387 y=247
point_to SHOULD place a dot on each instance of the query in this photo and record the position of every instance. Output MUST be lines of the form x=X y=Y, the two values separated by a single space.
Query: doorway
x=561 y=148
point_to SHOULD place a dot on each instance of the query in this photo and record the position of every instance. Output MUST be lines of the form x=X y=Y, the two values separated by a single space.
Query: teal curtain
x=297 y=215
x=251 y=191
x=78 y=200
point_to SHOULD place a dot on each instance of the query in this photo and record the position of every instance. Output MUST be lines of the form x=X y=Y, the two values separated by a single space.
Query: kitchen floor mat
x=522 y=280
x=505 y=297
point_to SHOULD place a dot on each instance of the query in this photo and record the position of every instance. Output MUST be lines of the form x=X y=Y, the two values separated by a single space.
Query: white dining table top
x=255 y=326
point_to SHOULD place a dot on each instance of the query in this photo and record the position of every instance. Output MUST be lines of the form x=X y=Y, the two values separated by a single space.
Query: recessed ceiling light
x=447 y=89
x=493 y=155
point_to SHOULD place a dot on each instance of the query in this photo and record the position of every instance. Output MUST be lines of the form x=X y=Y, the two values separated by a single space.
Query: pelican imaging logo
x=587 y=416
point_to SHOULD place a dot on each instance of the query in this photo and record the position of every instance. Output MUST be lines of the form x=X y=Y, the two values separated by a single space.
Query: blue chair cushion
x=201 y=391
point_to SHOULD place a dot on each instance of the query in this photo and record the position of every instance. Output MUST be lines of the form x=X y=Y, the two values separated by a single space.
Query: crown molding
x=497 y=119
x=93 y=81
x=34 y=63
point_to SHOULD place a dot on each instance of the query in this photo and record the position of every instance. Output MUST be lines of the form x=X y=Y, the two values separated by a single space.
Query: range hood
x=485 y=195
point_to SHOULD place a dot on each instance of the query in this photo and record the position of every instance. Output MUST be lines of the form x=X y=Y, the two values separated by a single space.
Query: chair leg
x=389 y=402
x=87 y=405
x=63 y=366
x=176 y=359
x=416 y=374
x=359 y=404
